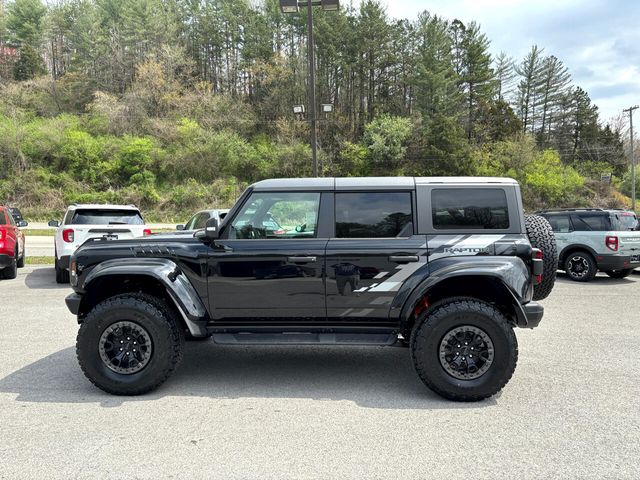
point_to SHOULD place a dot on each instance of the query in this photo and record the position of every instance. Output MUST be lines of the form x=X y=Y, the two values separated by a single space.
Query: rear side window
x=590 y=223
x=106 y=217
x=560 y=223
x=464 y=208
x=374 y=215
x=3 y=221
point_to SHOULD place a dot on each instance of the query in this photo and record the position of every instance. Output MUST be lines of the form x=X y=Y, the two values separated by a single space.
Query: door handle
x=403 y=258
x=301 y=259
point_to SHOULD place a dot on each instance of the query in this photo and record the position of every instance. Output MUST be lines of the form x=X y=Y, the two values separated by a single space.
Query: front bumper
x=5 y=260
x=616 y=262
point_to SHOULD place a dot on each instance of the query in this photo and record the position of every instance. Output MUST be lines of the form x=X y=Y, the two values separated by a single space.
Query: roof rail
x=552 y=210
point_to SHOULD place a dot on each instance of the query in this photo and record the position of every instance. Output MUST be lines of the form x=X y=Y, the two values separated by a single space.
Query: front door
x=374 y=250
x=269 y=262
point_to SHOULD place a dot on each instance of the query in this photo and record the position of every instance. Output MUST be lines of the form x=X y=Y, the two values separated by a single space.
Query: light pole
x=633 y=161
x=293 y=6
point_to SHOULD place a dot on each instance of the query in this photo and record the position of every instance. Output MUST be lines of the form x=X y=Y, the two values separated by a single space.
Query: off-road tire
x=592 y=268
x=156 y=318
x=620 y=273
x=62 y=274
x=11 y=271
x=431 y=327
x=541 y=236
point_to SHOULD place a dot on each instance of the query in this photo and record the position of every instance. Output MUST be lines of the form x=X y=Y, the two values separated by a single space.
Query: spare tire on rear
x=541 y=236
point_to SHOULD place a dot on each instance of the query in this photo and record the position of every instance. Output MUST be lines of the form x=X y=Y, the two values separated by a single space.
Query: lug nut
x=120 y=349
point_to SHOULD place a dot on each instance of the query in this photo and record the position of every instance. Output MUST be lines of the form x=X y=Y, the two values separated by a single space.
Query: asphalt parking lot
x=572 y=409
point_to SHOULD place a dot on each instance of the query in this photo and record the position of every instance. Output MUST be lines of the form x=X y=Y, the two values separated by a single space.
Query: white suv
x=82 y=222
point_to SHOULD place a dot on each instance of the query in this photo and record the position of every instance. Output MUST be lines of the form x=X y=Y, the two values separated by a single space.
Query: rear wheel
x=464 y=349
x=129 y=344
x=580 y=266
x=62 y=274
x=620 y=273
x=11 y=271
x=541 y=236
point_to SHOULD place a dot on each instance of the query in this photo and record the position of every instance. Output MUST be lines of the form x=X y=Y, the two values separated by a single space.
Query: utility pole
x=633 y=160
x=312 y=89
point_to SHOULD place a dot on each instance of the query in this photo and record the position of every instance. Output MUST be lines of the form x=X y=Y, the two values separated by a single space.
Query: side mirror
x=180 y=227
x=54 y=223
x=23 y=223
x=212 y=229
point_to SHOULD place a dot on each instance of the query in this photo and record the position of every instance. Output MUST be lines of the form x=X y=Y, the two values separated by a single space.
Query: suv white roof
x=102 y=206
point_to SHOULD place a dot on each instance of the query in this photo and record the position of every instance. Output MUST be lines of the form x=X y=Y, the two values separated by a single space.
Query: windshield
x=106 y=217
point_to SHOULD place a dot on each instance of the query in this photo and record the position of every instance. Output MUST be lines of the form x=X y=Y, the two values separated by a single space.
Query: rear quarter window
x=591 y=223
x=469 y=208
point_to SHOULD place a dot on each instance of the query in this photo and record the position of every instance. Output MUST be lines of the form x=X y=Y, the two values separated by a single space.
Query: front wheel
x=464 y=349
x=129 y=344
x=580 y=266
x=620 y=273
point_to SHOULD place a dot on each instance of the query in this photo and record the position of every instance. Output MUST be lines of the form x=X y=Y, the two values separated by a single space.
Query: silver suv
x=592 y=239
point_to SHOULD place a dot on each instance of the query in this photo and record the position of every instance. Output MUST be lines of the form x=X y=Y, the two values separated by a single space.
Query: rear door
x=374 y=249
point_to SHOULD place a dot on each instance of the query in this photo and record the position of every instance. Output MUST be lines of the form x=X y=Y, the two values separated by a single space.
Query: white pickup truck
x=82 y=222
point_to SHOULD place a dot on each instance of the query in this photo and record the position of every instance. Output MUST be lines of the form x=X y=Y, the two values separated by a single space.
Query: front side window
x=200 y=221
x=374 y=215
x=464 y=208
x=277 y=215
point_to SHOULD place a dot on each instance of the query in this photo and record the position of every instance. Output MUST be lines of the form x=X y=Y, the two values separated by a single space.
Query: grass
x=39 y=260
x=39 y=232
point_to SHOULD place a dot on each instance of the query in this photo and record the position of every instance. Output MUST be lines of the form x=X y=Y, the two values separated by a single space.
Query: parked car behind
x=592 y=239
x=17 y=214
x=199 y=220
x=12 y=249
x=83 y=222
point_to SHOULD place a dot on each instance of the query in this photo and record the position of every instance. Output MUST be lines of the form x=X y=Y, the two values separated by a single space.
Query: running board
x=295 y=338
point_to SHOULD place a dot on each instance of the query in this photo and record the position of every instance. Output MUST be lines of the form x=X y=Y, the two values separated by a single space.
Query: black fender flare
x=510 y=272
x=168 y=274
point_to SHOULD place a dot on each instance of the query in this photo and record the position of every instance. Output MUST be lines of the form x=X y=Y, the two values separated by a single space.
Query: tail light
x=2 y=235
x=67 y=235
x=146 y=231
x=612 y=243
x=538 y=264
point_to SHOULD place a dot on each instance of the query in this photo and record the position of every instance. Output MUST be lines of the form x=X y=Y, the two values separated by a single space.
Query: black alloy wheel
x=580 y=267
x=125 y=347
x=466 y=352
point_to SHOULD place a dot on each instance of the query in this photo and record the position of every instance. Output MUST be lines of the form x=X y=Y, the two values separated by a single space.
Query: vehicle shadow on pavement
x=381 y=378
x=43 y=278
x=599 y=279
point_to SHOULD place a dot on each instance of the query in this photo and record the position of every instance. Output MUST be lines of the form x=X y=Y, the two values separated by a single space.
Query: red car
x=11 y=244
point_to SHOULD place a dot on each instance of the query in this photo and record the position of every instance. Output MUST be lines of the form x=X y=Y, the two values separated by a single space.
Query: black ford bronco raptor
x=444 y=266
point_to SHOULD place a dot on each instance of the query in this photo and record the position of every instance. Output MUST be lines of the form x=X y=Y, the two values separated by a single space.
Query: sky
x=598 y=40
